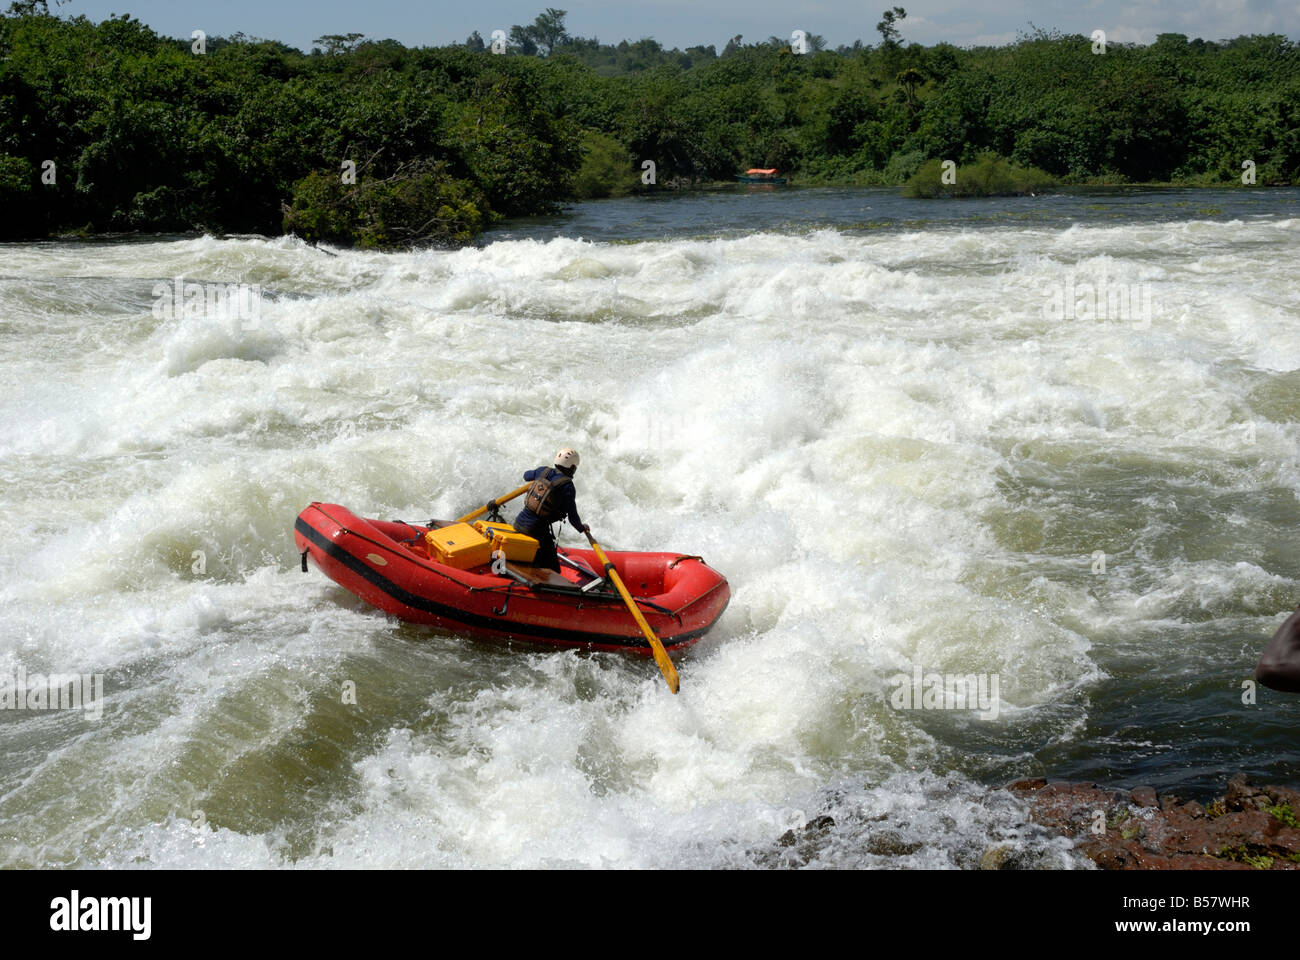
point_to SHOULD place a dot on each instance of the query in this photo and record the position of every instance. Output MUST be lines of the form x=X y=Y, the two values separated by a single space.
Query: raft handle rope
x=304 y=561
x=505 y=607
x=417 y=536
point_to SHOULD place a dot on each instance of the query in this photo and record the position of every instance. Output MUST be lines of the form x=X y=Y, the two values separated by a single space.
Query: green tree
x=888 y=26
x=338 y=43
x=548 y=29
x=523 y=39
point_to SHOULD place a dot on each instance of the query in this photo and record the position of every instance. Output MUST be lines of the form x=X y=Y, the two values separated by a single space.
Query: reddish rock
x=1283 y=795
x=1243 y=795
x=1140 y=830
x=1027 y=785
x=1249 y=827
x=1145 y=797
x=1288 y=840
x=1186 y=861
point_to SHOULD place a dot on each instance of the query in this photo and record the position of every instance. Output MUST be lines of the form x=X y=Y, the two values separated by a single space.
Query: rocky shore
x=1036 y=824
x=1248 y=828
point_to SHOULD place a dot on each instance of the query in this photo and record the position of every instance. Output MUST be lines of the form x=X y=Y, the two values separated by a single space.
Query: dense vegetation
x=988 y=176
x=145 y=133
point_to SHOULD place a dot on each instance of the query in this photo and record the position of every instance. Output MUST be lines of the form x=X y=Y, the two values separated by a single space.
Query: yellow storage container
x=518 y=547
x=459 y=546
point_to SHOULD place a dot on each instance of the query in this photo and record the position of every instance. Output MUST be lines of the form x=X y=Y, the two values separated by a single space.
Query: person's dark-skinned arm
x=1279 y=664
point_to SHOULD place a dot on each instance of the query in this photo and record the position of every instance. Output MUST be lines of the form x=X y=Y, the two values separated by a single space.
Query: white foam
x=839 y=423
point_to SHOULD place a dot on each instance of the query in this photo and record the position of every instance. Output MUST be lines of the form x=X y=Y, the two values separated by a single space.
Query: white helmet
x=567 y=458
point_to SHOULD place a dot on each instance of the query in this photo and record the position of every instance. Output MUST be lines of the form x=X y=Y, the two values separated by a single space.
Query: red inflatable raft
x=385 y=563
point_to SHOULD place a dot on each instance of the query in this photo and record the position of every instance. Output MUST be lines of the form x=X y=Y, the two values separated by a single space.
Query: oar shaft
x=492 y=504
x=656 y=646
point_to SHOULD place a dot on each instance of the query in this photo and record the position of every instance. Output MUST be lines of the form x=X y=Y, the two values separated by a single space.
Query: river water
x=1051 y=442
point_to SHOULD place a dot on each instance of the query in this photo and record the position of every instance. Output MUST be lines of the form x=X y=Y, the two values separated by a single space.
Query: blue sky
x=682 y=23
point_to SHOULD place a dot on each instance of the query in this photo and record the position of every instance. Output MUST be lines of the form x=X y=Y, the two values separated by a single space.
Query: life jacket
x=542 y=497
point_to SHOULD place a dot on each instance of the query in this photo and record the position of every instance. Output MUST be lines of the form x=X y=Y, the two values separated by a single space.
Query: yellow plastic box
x=518 y=547
x=459 y=546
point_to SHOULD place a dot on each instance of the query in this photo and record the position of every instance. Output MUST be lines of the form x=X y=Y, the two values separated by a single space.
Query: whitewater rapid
x=895 y=452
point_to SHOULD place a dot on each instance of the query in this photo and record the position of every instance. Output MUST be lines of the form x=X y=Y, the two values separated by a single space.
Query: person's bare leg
x=1279 y=664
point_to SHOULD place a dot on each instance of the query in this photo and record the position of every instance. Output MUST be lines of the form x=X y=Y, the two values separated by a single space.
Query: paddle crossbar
x=493 y=504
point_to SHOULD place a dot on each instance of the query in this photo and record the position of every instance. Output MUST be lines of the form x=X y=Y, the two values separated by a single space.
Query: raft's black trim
x=655 y=606
x=574 y=591
x=577 y=591
x=526 y=630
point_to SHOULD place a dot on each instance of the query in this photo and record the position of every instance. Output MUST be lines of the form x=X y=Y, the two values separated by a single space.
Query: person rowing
x=551 y=497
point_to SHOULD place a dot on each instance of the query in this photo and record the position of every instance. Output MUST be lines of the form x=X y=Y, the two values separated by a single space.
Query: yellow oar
x=661 y=655
x=493 y=504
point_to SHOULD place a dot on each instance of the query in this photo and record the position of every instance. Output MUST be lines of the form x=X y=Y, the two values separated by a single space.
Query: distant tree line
x=110 y=127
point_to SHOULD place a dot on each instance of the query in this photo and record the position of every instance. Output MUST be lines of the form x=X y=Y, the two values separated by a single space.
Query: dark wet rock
x=797 y=847
x=1005 y=857
x=815 y=827
x=888 y=843
x=1251 y=828
x=997 y=858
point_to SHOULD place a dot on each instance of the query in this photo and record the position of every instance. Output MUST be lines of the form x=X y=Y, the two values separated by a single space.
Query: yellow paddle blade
x=494 y=503
x=661 y=655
